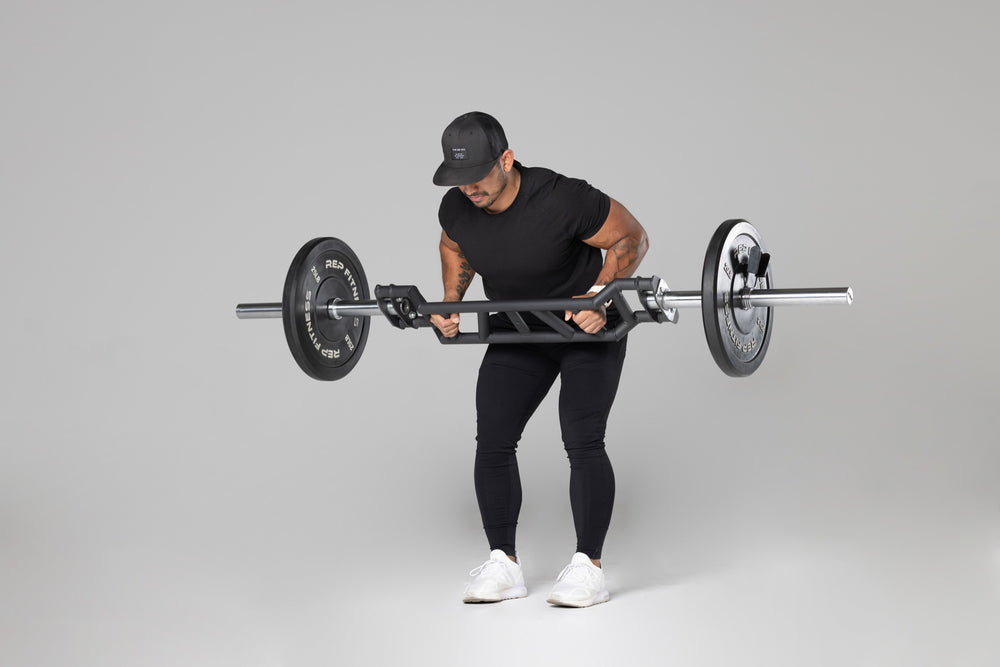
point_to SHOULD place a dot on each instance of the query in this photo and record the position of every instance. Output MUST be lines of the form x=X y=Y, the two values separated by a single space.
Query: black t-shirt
x=534 y=249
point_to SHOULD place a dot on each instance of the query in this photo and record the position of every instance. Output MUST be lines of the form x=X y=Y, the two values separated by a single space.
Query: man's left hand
x=591 y=321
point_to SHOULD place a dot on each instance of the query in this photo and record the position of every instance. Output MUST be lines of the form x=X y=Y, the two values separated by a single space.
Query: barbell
x=326 y=306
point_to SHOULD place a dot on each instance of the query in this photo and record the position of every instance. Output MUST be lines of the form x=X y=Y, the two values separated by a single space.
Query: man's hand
x=448 y=326
x=591 y=321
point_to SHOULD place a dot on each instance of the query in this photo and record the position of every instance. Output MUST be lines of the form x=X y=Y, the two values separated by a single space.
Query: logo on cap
x=457 y=153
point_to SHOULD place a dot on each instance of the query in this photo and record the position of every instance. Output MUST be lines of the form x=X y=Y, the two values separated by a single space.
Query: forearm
x=456 y=273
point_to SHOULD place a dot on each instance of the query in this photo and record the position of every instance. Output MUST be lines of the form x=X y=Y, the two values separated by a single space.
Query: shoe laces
x=476 y=571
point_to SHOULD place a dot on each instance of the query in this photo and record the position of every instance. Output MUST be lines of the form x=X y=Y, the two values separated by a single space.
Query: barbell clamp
x=401 y=305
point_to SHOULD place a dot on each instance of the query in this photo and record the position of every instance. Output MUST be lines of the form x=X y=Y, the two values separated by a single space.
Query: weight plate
x=324 y=269
x=737 y=337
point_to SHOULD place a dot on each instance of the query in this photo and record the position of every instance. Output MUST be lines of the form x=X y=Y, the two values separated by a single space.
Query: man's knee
x=584 y=433
x=582 y=450
x=491 y=451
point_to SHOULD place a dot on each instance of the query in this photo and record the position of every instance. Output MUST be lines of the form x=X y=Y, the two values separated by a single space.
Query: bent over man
x=533 y=233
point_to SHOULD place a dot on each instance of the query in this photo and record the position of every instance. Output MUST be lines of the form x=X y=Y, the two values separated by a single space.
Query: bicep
x=620 y=224
x=448 y=244
x=452 y=257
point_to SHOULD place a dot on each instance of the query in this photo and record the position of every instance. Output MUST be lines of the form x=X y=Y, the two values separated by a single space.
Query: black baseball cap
x=471 y=144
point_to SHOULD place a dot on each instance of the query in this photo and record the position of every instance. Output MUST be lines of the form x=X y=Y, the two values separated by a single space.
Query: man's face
x=485 y=192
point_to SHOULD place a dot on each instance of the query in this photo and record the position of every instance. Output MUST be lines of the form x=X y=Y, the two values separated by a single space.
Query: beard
x=489 y=198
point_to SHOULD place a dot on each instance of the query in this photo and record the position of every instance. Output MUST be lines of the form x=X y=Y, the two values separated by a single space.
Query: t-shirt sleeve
x=447 y=213
x=589 y=207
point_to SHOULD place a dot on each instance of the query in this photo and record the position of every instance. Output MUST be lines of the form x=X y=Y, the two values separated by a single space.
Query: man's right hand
x=448 y=326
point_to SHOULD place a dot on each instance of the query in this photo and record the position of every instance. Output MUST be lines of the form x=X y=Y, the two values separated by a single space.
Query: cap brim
x=446 y=175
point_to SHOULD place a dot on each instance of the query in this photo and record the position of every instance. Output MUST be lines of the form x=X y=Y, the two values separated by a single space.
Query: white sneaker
x=580 y=584
x=497 y=579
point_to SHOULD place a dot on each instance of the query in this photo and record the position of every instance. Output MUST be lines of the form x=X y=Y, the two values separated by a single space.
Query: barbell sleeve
x=762 y=298
x=336 y=309
x=809 y=296
x=339 y=309
x=258 y=311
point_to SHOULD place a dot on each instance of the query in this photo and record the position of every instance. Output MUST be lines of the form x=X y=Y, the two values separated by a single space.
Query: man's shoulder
x=452 y=200
x=537 y=176
x=548 y=182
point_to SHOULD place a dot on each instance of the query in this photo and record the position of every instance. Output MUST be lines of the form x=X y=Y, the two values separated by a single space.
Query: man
x=533 y=233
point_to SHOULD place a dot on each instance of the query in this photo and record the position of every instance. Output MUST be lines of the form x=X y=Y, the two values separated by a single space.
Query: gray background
x=174 y=491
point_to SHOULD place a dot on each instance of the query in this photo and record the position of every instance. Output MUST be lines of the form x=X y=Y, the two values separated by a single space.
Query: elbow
x=642 y=244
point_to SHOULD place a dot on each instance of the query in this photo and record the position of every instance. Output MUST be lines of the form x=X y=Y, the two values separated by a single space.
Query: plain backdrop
x=174 y=491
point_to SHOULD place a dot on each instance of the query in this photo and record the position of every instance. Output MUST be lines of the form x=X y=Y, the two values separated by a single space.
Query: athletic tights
x=513 y=380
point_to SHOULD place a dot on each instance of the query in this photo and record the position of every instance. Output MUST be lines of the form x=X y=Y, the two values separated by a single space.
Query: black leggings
x=513 y=380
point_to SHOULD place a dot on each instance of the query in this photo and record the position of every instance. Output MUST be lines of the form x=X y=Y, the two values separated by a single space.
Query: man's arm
x=457 y=275
x=625 y=243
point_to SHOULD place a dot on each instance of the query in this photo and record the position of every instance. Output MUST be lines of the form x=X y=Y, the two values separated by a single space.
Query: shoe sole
x=509 y=594
x=601 y=597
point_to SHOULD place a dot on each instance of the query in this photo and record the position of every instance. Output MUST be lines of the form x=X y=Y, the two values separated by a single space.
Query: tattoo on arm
x=621 y=260
x=465 y=276
x=464 y=279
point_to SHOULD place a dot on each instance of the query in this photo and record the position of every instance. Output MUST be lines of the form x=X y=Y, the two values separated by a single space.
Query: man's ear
x=507 y=160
